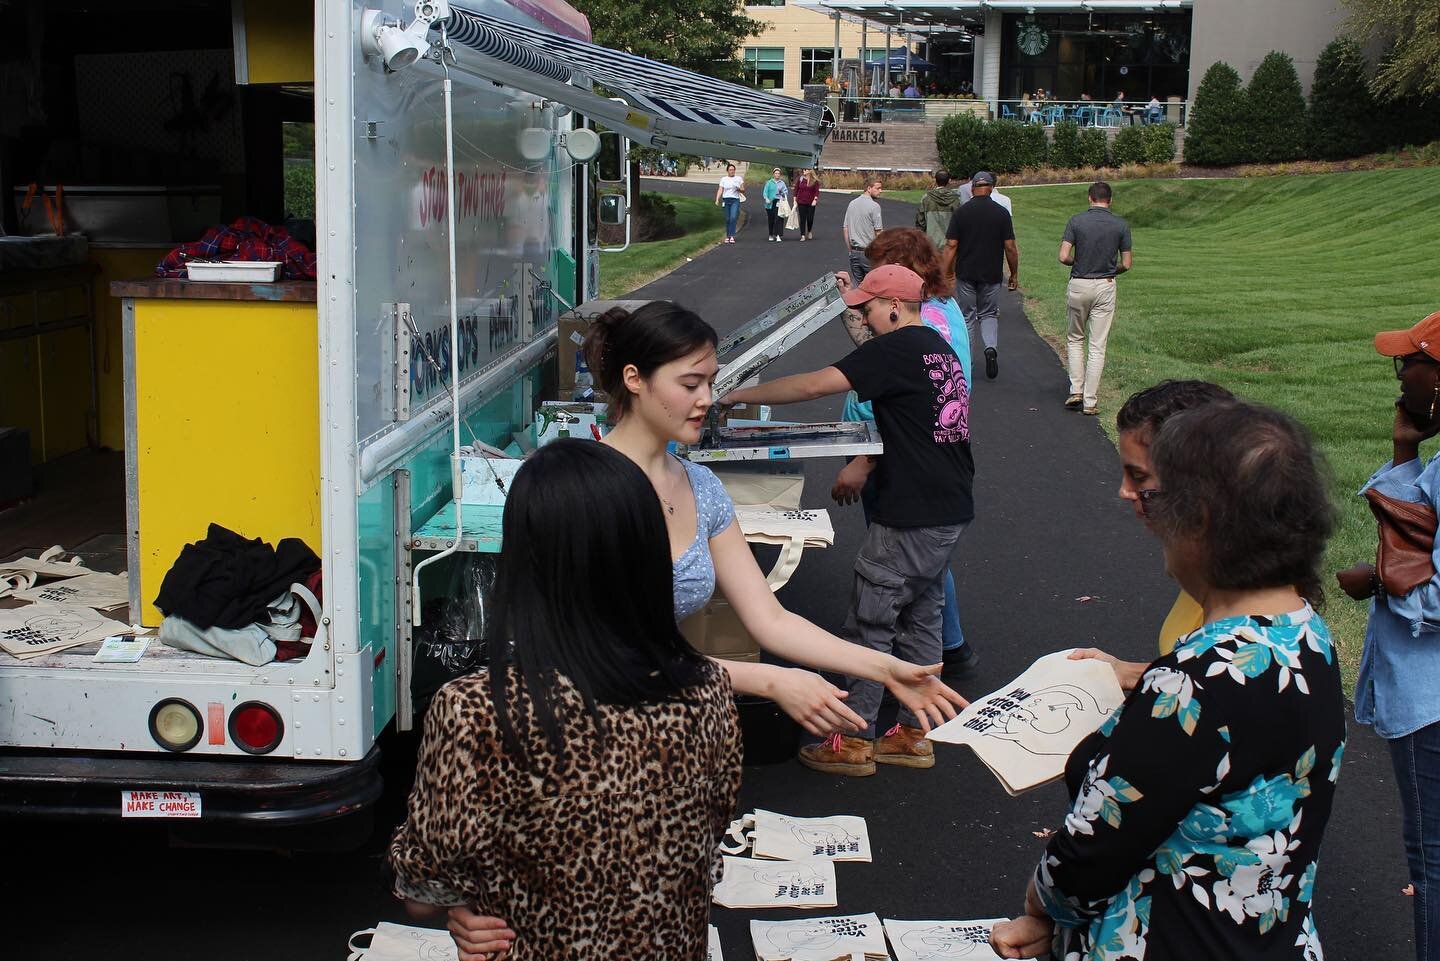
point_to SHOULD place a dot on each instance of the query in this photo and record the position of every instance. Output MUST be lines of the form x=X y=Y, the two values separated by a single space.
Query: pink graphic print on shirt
x=952 y=398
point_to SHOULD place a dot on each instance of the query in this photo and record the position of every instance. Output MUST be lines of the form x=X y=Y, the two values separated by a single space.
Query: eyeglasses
x=1400 y=362
x=1146 y=496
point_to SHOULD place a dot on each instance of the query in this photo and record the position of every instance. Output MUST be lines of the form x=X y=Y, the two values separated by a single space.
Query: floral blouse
x=1200 y=804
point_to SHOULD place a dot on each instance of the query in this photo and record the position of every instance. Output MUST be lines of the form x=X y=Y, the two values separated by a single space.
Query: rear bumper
x=232 y=790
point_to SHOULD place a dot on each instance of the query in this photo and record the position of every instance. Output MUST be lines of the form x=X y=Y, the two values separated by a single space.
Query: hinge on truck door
x=404 y=646
x=397 y=318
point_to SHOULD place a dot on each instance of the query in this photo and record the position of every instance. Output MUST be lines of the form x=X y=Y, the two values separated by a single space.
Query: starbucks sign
x=1032 y=39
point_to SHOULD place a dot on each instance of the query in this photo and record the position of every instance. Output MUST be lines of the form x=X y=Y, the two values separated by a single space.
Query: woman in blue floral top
x=1199 y=807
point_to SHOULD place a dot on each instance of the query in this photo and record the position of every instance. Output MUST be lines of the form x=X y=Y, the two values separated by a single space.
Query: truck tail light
x=175 y=724
x=256 y=728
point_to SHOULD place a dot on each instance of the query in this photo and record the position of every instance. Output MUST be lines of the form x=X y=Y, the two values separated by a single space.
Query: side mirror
x=613 y=209
x=610 y=161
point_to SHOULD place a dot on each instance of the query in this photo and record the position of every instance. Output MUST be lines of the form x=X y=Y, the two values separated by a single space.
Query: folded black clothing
x=226 y=580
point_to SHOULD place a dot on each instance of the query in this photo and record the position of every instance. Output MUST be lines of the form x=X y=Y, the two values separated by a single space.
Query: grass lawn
x=1274 y=288
x=704 y=225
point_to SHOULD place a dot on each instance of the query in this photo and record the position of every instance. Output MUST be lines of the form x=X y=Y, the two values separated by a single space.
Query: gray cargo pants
x=895 y=605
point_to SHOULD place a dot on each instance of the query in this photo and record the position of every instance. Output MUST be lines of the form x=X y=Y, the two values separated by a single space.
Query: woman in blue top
x=657 y=365
x=776 y=190
x=1398 y=690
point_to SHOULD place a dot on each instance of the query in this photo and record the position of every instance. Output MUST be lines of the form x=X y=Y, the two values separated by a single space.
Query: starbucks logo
x=1032 y=39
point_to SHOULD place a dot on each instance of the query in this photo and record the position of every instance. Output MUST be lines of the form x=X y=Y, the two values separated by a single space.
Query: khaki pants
x=1090 y=305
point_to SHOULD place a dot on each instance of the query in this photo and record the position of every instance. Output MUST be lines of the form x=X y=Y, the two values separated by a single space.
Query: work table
x=158 y=288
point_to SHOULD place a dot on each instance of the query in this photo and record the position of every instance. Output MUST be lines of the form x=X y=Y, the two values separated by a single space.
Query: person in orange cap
x=923 y=501
x=1398 y=690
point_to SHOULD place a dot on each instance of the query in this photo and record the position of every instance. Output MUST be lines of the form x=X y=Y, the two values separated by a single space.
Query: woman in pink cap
x=1398 y=690
x=923 y=501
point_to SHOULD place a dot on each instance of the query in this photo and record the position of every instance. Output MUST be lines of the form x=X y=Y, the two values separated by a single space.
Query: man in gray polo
x=1096 y=248
x=862 y=223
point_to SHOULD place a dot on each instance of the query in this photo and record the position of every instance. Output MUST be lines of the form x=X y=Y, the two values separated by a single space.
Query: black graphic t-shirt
x=922 y=407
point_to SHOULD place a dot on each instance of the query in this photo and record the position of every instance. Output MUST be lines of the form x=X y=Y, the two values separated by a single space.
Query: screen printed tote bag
x=840 y=837
x=401 y=942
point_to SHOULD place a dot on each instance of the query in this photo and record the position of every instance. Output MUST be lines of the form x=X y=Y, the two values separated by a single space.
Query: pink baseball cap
x=891 y=282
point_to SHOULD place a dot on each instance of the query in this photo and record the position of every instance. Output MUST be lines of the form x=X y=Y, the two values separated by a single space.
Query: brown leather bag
x=1404 y=557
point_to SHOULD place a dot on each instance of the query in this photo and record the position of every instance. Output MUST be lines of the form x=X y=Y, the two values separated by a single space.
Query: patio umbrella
x=897 y=61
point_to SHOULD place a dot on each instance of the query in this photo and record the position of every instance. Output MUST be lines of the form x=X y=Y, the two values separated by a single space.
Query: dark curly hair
x=1151 y=407
x=1246 y=483
x=649 y=338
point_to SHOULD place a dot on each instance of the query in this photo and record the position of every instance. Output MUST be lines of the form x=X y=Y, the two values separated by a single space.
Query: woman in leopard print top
x=579 y=786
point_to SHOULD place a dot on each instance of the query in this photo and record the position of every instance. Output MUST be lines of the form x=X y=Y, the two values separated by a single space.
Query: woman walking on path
x=776 y=193
x=807 y=197
x=1398 y=690
x=731 y=193
x=1200 y=806
x=596 y=761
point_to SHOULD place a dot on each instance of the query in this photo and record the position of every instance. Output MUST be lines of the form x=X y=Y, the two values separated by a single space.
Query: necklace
x=669 y=507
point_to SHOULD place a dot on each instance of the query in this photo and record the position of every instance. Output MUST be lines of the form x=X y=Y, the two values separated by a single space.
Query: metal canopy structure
x=664 y=107
x=957 y=16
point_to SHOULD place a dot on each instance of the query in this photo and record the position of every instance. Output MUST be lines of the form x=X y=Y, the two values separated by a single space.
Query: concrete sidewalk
x=1049 y=530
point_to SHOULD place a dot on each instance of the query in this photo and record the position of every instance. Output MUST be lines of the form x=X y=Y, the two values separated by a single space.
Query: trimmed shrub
x=1129 y=146
x=1011 y=146
x=1159 y=143
x=1216 y=136
x=1065 y=144
x=960 y=141
x=1094 y=148
x=1275 y=114
x=655 y=218
x=1342 y=118
x=1037 y=145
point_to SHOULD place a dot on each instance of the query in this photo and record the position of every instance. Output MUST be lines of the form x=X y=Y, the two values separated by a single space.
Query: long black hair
x=653 y=335
x=584 y=590
x=1245 y=481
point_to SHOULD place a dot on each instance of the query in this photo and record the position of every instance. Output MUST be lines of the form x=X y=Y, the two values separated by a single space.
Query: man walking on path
x=862 y=223
x=936 y=208
x=1096 y=248
x=980 y=239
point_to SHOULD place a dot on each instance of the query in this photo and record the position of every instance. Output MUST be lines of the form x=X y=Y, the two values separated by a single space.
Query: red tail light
x=256 y=728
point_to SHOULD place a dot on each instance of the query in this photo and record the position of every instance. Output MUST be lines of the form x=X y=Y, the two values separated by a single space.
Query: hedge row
x=967 y=143
x=1269 y=121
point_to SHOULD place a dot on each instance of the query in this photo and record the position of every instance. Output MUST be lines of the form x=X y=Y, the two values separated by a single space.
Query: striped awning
x=664 y=107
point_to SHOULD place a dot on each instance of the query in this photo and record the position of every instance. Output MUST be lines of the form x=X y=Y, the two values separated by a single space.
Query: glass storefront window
x=1067 y=55
x=816 y=62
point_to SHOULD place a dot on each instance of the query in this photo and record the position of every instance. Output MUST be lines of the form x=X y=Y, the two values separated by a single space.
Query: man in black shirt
x=1096 y=248
x=980 y=236
x=923 y=500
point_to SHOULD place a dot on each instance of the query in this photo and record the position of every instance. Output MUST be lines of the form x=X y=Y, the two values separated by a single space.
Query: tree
x=1342 y=119
x=1275 y=113
x=1217 y=132
x=1411 y=29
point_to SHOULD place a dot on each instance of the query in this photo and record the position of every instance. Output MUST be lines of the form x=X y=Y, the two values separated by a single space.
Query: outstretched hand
x=816 y=705
x=919 y=689
x=1128 y=673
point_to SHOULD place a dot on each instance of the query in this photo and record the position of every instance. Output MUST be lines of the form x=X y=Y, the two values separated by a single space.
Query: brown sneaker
x=905 y=746
x=840 y=754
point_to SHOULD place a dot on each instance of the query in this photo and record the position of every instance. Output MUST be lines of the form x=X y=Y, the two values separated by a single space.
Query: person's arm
x=1126 y=261
x=811 y=701
x=1125 y=252
x=1163 y=752
x=845 y=229
x=947 y=258
x=1067 y=253
x=719 y=191
x=1012 y=258
x=792 y=389
x=851 y=479
x=795 y=639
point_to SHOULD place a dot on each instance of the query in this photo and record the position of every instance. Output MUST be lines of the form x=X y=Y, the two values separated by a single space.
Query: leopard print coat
x=612 y=857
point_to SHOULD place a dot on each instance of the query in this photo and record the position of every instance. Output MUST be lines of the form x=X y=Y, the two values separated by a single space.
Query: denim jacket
x=1398 y=691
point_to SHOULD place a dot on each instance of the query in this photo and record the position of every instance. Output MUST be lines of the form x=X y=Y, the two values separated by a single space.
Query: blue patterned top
x=695 y=570
x=1199 y=806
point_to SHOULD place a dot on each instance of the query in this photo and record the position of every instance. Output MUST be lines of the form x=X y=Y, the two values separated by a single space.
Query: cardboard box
x=573 y=326
x=716 y=630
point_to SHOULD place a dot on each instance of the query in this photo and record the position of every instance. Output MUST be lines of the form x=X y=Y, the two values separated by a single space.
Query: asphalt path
x=949 y=843
x=1049 y=530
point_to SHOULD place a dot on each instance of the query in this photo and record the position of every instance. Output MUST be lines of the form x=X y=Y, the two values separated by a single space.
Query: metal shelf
x=482 y=530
